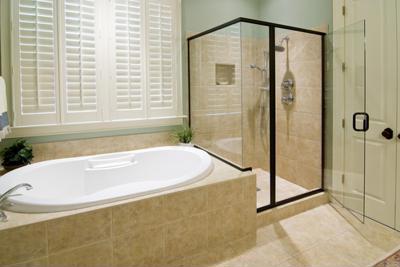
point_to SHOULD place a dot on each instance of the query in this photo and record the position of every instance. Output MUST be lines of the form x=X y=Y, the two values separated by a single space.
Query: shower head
x=280 y=47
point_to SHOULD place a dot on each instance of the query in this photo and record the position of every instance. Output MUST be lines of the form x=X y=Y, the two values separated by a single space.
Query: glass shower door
x=356 y=122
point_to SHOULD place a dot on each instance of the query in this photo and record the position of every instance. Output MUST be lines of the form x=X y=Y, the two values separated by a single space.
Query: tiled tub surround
x=195 y=225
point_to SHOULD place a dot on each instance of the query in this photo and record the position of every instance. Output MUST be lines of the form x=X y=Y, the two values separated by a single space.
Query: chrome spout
x=3 y=197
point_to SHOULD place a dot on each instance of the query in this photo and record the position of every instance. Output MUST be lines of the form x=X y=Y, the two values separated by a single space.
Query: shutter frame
x=35 y=102
x=80 y=74
x=163 y=90
x=128 y=94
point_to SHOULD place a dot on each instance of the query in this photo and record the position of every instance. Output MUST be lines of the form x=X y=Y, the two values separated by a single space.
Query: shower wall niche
x=256 y=95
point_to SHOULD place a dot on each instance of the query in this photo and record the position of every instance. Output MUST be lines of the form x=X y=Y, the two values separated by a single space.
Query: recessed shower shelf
x=224 y=74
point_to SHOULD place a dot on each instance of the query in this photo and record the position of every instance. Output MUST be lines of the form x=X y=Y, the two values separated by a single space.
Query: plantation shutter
x=84 y=61
x=34 y=62
x=128 y=99
x=162 y=57
x=80 y=86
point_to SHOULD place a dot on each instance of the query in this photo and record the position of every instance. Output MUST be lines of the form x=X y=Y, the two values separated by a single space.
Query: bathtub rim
x=43 y=206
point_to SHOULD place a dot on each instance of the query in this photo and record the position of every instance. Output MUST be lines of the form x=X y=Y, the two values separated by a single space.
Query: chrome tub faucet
x=3 y=198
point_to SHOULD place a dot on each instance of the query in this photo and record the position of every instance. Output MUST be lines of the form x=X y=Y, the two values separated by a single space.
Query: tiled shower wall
x=233 y=120
x=299 y=127
x=216 y=108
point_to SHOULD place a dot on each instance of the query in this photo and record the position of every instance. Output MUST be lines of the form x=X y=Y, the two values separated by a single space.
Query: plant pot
x=13 y=167
x=186 y=144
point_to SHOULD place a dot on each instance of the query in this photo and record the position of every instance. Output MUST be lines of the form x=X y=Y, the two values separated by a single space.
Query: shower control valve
x=287 y=92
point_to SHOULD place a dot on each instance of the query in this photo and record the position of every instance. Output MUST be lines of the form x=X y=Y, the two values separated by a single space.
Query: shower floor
x=284 y=188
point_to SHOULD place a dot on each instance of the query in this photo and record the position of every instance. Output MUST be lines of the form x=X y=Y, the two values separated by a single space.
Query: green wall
x=299 y=13
x=200 y=15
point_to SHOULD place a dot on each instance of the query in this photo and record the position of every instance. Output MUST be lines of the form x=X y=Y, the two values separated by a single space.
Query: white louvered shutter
x=128 y=90
x=81 y=84
x=162 y=57
x=34 y=62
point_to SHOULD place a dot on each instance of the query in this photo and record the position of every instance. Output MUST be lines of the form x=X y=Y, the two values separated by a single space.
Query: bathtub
x=72 y=183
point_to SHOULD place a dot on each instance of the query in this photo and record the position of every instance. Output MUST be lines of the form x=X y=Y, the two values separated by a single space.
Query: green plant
x=18 y=154
x=184 y=135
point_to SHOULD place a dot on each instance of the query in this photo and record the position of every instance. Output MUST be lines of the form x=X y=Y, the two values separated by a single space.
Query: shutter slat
x=128 y=50
x=160 y=55
x=37 y=58
x=80 y=56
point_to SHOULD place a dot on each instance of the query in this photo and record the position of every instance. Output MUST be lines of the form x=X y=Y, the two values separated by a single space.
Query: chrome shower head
x=280 y=47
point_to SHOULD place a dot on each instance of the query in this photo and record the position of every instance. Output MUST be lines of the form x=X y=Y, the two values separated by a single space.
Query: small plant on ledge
x=17 y=155
x=184 y=136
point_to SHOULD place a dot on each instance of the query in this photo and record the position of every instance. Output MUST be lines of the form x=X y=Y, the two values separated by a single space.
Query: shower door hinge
x=343 y=66
x=343 y=178
x=343 y=123
x=344 y=10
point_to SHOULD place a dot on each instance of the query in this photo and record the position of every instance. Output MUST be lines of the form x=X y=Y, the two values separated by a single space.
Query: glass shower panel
x=216 y=93
x=334 y=113
x=298 y=113
x=256 y=105
x=355 y=113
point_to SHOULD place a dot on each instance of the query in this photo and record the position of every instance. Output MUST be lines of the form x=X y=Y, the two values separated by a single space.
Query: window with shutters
x=95 y=61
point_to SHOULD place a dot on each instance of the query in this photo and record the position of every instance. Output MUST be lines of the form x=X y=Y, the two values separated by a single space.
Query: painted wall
x=299 y=13
x=201 y=15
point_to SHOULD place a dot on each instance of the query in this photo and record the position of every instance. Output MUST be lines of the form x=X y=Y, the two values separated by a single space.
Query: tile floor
x=284 y=188
x=320 y=237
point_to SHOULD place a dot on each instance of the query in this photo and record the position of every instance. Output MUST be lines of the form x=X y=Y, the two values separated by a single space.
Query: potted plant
x=17 y=155
x=184 y=136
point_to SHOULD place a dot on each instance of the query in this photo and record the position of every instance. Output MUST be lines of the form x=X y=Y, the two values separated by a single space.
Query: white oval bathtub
x=66 y=184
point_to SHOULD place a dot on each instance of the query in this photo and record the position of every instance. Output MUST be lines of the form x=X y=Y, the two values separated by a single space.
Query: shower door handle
x=365 y=119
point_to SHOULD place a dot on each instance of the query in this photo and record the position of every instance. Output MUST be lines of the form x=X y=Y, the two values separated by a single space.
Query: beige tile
x=291 y=262
x=324 y=256
x=230 y=224
x=96 y=255
x=186 y=237
x=308 y=176
x=317 y=237
x=250 y=190
x=42 y=262
x=198 y=260
x=145 y=248
x=22 y=244
x=308 y=152
x=307 y=126
x=78 y=230
x=82 y=147
x=184 y=204
x=224 y=194
x=134 y=217
x=231 y=250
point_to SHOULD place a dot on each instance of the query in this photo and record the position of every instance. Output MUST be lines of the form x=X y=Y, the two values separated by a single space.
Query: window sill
x=46 y=130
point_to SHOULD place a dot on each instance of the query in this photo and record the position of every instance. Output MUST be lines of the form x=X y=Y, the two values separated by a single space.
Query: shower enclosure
x=256 y=102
